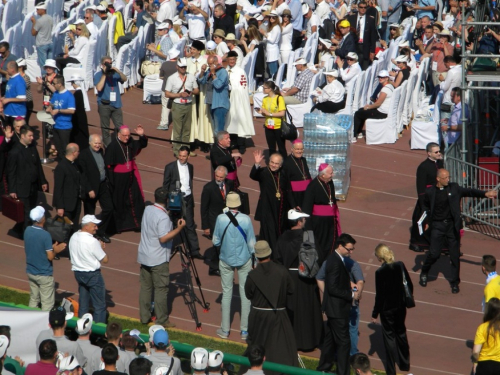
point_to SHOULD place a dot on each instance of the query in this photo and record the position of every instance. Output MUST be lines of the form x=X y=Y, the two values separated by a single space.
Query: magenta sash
x=327 y=210
x=122 y=168
x=232 y=175
x=300 y=185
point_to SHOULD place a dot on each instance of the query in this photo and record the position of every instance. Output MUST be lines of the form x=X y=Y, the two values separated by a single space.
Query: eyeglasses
x=349 y=248
x=79 y=29
x=361 y=7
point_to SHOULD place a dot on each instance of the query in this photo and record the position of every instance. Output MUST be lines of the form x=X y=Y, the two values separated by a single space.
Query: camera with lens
x=175 y=204
x=109 y=68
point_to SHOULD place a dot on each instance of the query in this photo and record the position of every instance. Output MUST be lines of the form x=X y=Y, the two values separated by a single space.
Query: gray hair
x=92 y=136
x=222 y=169
x=104 y=58
x=221 y=134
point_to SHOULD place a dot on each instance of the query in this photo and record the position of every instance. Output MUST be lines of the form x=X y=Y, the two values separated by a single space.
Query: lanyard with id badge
x=270 y=121
x=112 y=94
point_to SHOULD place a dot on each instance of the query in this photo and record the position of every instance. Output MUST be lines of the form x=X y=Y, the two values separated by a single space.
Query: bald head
x=72 y=151
x=443 y=178
x=95 y=142
x=12 y=68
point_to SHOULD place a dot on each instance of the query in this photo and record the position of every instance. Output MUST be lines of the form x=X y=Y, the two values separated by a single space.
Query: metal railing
x=480 y=214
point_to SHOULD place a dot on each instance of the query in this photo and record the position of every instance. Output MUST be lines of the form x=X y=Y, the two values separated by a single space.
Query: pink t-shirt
x=41 y=368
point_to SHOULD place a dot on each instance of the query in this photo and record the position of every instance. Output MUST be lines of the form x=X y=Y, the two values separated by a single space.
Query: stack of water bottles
x=327 y=140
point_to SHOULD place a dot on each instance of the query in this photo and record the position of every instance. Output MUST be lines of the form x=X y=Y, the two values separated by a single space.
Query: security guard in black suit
x=442 y=205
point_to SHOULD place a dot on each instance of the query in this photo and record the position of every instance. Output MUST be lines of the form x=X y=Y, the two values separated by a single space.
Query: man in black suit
x=213 y=201
x=91 y=161
x=347 y=43
x=221 y=154
x=366 y=35
x=180 y=173
x=25 y=176
x=69 y=186
x=337 y=300
x=442 y=205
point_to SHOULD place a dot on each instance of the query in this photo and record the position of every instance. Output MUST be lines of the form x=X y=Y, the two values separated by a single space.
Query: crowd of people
x=206 y=102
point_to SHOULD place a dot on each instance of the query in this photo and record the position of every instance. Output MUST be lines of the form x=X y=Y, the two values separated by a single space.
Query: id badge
x=46 y=98
x=112 y=96
x=434 y=65
x=270 y=124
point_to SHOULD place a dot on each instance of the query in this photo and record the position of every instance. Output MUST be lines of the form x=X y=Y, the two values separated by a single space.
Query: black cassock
x=304 y=306
x=4 y=153
x=426 y=176
x=274 y=203
x=125 y=182
x=297 y=171
x=267 y=288
x=320 y=203
x=80 y=130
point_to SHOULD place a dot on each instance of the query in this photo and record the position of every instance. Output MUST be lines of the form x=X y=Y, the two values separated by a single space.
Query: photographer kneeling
x=154 y=254
x=109 y=101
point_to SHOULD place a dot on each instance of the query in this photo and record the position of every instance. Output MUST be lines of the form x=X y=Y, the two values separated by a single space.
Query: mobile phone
x=189 y=92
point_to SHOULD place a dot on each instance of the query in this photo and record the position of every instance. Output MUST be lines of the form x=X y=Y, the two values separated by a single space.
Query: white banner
x=25 y=325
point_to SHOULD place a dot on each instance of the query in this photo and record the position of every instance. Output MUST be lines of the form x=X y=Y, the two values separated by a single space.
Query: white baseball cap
x=90 y=219
x=4 y=344
x=153 y=329
x=199 y=359
x=173 y=53
x=294 y=214
x=383 y=74
x=305 y=8
x=215 y=358
x=84 y=324
x=182 y=62
x=37 y=213
x=21 y=62
x=41 y=6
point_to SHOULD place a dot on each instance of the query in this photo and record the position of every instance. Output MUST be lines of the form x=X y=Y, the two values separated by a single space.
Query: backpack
x=308 y=256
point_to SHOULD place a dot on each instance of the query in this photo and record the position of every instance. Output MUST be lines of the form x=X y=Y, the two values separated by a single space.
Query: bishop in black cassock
x=321 y=204
x=297 y=171
x=124 y=178
x=275 y=197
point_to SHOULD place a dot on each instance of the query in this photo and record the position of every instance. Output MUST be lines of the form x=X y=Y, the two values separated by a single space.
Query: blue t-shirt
x=37 y=242
x=63 y=100
x=110 y=85
x=16 y=88
x=423 y=13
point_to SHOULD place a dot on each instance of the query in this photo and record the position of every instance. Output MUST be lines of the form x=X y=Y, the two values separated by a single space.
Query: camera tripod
x=189 y=271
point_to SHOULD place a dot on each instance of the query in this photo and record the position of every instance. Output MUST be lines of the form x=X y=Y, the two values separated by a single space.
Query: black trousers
x=395 y=340
x=106 y=202
x=440 y=233
x=61 y=140
x=364 y=61
x=362 y=115
x=296 y=39
x=329 y=107
x=61 y=62
x=341 y=341
x=273 y=138
x=74 y=215
x=488 y=368
x=231 y=10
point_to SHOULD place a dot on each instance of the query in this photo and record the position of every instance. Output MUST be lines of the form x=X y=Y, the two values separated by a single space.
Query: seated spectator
x=69 y=365
x=406 y=51
x=77 y=54
x=360 y=363
x=128 y=344
x=403 y=74
x=452 y=127
x=109 y=356
x=324 y=53
x=273 y=108
x=199 y=361
x=256 y=355
x=332 y=98
x=164 y=354
x=424 y=45
x=299 y=93
x=47 y=352
x=159 y=51
x=84 y=329
x=377 y=110
x=353 y=68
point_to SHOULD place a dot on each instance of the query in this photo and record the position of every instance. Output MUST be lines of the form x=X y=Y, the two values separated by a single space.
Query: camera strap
x=233 y=220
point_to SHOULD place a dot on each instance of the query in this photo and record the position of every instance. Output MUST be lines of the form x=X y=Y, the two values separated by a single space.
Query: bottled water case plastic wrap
x=327 y=140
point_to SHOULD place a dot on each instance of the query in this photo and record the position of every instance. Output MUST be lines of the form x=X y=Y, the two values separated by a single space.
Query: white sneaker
x=360 y=135
x=353 y=140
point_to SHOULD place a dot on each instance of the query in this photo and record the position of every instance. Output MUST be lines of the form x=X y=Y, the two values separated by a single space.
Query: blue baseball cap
x=160 y=337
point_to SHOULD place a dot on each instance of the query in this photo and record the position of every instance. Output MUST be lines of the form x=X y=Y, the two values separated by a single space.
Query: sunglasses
x=348 y=58
x=79 y=29
x=361 y=7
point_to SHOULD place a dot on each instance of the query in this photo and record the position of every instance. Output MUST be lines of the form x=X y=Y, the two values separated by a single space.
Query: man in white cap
x=199 y=360
x=84 y=329
x=39 y=255
x=42 y=30
x=234 y=235
x=313 y=21
x=299 y=93
x=180 y=88
x=87 y=255
x=69 y=365
x=304 y=304
x=163 y=357
x=160 y=51
x=215 y=359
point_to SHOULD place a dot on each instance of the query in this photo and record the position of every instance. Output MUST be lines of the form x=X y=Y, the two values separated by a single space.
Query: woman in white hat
x=332 y=98
x=22 y=66
x=324 y=54
x=353 y=68
x=273 y=36
x=404 y=72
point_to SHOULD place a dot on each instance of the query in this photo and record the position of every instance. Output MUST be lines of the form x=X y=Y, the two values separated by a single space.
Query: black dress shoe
x=197 y=256
x=415 y=248
x=423 y=279
x=213 y=272
x=455 y=289
x=104 y=239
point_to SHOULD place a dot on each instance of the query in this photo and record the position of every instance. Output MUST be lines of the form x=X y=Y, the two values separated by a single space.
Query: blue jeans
x=226 y=277
x=44 y=52
x=219 y=117
x=353 y=328
x=91 y=287
x=272 y=66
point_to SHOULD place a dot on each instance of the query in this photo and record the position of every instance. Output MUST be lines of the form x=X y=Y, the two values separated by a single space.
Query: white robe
x=239 y=119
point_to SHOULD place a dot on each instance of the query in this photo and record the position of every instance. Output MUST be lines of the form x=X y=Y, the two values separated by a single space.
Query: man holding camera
x=109 y=102
x=154 y=254
x=179 y=175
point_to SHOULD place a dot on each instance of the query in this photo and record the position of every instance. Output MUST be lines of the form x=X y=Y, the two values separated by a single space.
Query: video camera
x=175 y=204
x=109 y=68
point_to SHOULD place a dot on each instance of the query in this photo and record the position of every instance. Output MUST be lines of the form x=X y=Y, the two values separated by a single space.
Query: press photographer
x=109 y=101
x=154 y=254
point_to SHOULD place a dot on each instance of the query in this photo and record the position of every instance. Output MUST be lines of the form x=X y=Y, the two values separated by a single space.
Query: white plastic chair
x=383 y=131
x=407 y=109
x=399 y=122
x=279 y=75
x=152 y=86
x=425 y=131
x=364 y=90
x=111 y=38
x=358 y=91
x=350 y=90
x=419 y=89
x=297 y=111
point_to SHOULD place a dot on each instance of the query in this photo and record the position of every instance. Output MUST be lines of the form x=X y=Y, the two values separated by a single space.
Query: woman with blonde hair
x=390 y=304
x=254 y=38
x=77 y=54
x=273 y=38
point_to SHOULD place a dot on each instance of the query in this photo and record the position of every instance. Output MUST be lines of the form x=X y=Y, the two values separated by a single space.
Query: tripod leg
x=189 y=297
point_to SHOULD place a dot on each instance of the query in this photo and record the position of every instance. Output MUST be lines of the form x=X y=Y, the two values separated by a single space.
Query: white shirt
x=350 y=72
x=222 y=49
x=323 y=11
x=174 y=85
x=453 y=79
x=286 y=38
x=333 y=92
x=273 y=44
x=184 y=178
x=361 y=21
x=165 y=12
x=385 y=107
x=78 y=49
x=85 y=252
x=196 y=26
x=93 y=29
x=280 y=8
x=313 y=21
